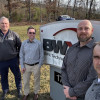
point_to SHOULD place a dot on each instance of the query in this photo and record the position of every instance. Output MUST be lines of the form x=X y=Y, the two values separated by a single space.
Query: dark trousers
x=14 y=67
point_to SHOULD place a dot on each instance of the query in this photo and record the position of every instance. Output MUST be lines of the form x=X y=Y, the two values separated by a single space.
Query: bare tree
x=68 y=5
x=11 y=5
x=74 y=7
x=41 y=11
x=80 y=5
x=49 y=9
x=9 y=8
x=87 y=3
x=58 y=8
x=48 y=5
x=52 y=8
x=28 y=6
x=40 y=3
x=94 y=8
x=2 y=8
x=90 y=9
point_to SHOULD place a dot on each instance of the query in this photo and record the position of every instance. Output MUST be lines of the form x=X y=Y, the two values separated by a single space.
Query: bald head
x=84 y=31
x=86 y=22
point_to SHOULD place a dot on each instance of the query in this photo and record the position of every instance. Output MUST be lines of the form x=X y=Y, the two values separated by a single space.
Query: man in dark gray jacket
x=77 y=70
x=9 y=50
x=93 y=93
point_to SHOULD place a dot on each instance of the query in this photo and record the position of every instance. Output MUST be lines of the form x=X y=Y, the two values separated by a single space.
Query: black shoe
x=4 y=94
x=19 y=93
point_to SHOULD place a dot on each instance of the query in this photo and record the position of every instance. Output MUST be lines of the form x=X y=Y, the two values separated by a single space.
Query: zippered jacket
x=9 y=45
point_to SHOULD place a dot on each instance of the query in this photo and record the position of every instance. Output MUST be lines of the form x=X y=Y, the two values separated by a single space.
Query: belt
x=32 y=64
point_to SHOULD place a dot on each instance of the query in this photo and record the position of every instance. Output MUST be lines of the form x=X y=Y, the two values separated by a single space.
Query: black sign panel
x=57 y=77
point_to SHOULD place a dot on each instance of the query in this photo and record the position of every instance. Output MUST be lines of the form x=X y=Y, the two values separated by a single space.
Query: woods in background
x=49 y=10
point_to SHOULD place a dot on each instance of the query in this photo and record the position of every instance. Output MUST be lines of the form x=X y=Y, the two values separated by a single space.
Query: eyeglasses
x=31 y=32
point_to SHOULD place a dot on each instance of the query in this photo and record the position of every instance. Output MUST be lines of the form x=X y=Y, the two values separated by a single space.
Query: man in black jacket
x=9 y=50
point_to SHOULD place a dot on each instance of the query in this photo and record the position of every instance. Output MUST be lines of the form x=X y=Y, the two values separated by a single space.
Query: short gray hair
x=3 y=17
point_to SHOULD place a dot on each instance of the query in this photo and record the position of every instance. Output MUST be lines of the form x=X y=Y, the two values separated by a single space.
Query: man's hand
x=66 y=92
x=23 y=70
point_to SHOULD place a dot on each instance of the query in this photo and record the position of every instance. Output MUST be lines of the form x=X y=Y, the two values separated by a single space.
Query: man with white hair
x=9 y=50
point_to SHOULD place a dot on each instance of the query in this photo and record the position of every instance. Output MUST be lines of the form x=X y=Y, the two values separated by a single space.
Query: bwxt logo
x=50 y=45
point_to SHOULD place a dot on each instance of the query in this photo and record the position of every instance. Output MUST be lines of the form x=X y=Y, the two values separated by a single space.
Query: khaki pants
x=77 y=99
x=26 y=78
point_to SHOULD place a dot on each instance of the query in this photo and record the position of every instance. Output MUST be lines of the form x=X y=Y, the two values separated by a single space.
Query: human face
x=96 y=59
x=31 y=34
x=4 y=25
x=84 y=31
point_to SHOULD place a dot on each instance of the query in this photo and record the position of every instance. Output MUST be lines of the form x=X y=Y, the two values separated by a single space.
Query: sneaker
x=19 y=93
x=4 y=94
x=35 y=97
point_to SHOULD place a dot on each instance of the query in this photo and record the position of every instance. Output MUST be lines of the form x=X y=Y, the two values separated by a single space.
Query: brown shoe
x=26 y=97
x=35 y=97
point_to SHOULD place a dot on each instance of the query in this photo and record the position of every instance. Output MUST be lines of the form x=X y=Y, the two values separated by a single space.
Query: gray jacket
x=93 y=93
x=9 y=45
x=77 y=70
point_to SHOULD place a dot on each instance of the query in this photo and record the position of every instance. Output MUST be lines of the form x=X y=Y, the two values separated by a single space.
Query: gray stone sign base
x=56 y=89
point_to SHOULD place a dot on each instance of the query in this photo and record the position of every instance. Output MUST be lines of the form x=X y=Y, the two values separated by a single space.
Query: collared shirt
x=77 y=70
x=31 y=52
x=9 y=45
x=93 y=92
x=98 y=79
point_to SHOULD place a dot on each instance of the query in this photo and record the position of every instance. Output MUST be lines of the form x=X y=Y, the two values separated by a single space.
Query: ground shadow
x=42 y=96
x=13 y=96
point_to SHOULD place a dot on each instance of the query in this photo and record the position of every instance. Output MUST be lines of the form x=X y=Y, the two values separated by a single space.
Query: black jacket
x=9 y=45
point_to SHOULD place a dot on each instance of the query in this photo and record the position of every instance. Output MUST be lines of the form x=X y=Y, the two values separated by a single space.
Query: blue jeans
x=14 y=67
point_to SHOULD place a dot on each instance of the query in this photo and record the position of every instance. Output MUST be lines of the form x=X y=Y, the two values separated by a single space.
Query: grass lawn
x=44 y=93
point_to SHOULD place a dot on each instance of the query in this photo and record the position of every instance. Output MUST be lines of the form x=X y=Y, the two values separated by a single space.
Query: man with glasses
x=93 y=93
x=31 y=60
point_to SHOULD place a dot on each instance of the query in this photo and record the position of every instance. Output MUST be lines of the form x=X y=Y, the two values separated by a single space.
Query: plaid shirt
x=77 y=70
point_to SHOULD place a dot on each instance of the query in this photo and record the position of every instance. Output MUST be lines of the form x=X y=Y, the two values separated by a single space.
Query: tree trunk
x=74 y=8
x=90 y=9
x=9 y=9
x=86 y=9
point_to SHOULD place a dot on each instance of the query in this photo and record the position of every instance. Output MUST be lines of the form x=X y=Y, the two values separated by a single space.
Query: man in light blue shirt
x=31 y=60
